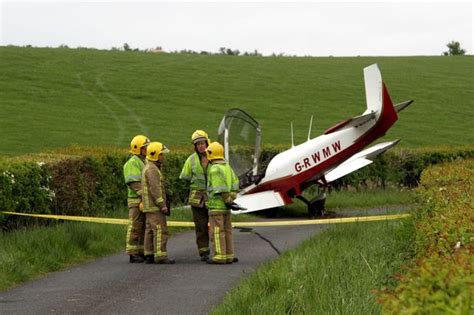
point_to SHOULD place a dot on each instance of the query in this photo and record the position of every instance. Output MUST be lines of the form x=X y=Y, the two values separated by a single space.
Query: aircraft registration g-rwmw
x=318 y=161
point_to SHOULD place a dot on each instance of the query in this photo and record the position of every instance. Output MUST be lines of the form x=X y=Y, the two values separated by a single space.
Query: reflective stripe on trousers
x=221 y=227
x=135 y=231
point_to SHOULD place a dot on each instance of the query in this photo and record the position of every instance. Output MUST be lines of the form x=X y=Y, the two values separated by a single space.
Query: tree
x=126 y=47
x=454 y=49
x=232 y=52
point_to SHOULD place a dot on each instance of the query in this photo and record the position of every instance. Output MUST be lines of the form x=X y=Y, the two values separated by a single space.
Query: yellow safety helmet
x=215 y=151
x=137 y=143
x=199 y=135
x=154 y=149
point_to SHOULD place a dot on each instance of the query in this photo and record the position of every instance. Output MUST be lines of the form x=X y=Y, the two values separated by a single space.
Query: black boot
x=234 y=260
x=204 y=257
x=213 y=262
x=136 y=259
x=165 y=261
x=149 y=259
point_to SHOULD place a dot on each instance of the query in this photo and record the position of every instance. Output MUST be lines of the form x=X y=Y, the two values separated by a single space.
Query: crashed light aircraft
x=318 y=161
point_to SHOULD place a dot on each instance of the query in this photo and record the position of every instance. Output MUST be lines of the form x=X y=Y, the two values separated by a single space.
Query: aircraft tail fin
x=373 y=88
x=378 y=100
x=379 y=104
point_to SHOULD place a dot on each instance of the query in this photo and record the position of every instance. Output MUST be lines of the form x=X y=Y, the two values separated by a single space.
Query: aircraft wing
x=359 y=160
x=346 y=168
x=258 y=201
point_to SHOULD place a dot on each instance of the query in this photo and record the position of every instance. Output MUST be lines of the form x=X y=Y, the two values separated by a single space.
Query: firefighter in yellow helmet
x=132 y=171
x=195 y=172
x=222 y=186
x=155 y=206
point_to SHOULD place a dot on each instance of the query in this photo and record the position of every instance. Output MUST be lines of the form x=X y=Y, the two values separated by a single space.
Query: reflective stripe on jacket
x=221 y=179
x=194 y=173
x=153 y=184
x=132 y=172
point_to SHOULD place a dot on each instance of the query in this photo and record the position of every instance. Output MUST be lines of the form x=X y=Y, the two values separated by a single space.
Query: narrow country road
x=111 y=285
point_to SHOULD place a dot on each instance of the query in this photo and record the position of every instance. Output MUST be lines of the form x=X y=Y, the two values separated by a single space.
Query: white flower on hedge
x=40 y=163
x=50 y=192
x=51 y=195
x=8 y=174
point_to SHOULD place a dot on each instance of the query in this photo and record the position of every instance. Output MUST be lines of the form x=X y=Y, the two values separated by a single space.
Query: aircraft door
x=240 y=135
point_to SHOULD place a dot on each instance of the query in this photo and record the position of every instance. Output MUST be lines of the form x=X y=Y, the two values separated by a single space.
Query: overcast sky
x=302 y=28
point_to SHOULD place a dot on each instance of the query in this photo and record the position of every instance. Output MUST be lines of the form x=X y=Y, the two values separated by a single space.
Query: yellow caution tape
x=234 y=224
x=91 y=219
x=71 y=218
x=322 y=221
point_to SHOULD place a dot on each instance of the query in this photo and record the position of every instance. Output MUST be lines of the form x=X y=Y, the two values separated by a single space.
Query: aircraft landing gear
x=315 y=205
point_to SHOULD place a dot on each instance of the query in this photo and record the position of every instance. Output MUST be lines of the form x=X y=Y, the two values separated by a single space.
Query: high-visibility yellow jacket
x=132 y=173
x=221 y=183
x=153 y=183
x=194 y=173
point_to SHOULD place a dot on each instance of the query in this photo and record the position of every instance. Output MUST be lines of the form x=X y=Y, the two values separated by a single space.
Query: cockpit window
x=240 y=135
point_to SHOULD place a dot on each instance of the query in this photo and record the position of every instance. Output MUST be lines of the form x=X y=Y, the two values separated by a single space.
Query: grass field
x=53 y=98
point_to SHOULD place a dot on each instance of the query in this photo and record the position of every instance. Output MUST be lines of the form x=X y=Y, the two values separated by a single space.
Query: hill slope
x=57 y=97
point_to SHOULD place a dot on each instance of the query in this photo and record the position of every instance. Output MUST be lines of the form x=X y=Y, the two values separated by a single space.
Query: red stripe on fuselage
x=283 y=185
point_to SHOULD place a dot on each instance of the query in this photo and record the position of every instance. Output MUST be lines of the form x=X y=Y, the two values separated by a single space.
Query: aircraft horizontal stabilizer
x=402 y=106
x=258 y=201
x=362 y=119
x=358 y=160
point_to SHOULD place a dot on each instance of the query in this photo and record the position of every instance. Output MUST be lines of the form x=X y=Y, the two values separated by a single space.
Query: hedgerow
x=89 y=181
x=441 y=278
x=403 y=167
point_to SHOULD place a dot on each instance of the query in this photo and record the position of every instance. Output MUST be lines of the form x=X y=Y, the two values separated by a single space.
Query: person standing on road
x=195 y=172
x=132 y=172
x=154 y=206
x=222 y=186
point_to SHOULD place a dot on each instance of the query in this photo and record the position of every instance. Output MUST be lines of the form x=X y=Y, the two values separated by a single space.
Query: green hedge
x=72 y=186
x=402 y=167
x=89 y=181
x=24 y=188
x=441 y=279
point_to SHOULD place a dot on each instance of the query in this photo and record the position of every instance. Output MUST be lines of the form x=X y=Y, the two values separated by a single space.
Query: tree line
x=454 y=49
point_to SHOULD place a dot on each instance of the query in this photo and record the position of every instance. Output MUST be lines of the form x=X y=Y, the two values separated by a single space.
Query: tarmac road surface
x=111 y=285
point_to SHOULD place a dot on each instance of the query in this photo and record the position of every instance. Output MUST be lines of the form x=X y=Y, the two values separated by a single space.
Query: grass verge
x=332 y=273
x=26 y=254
